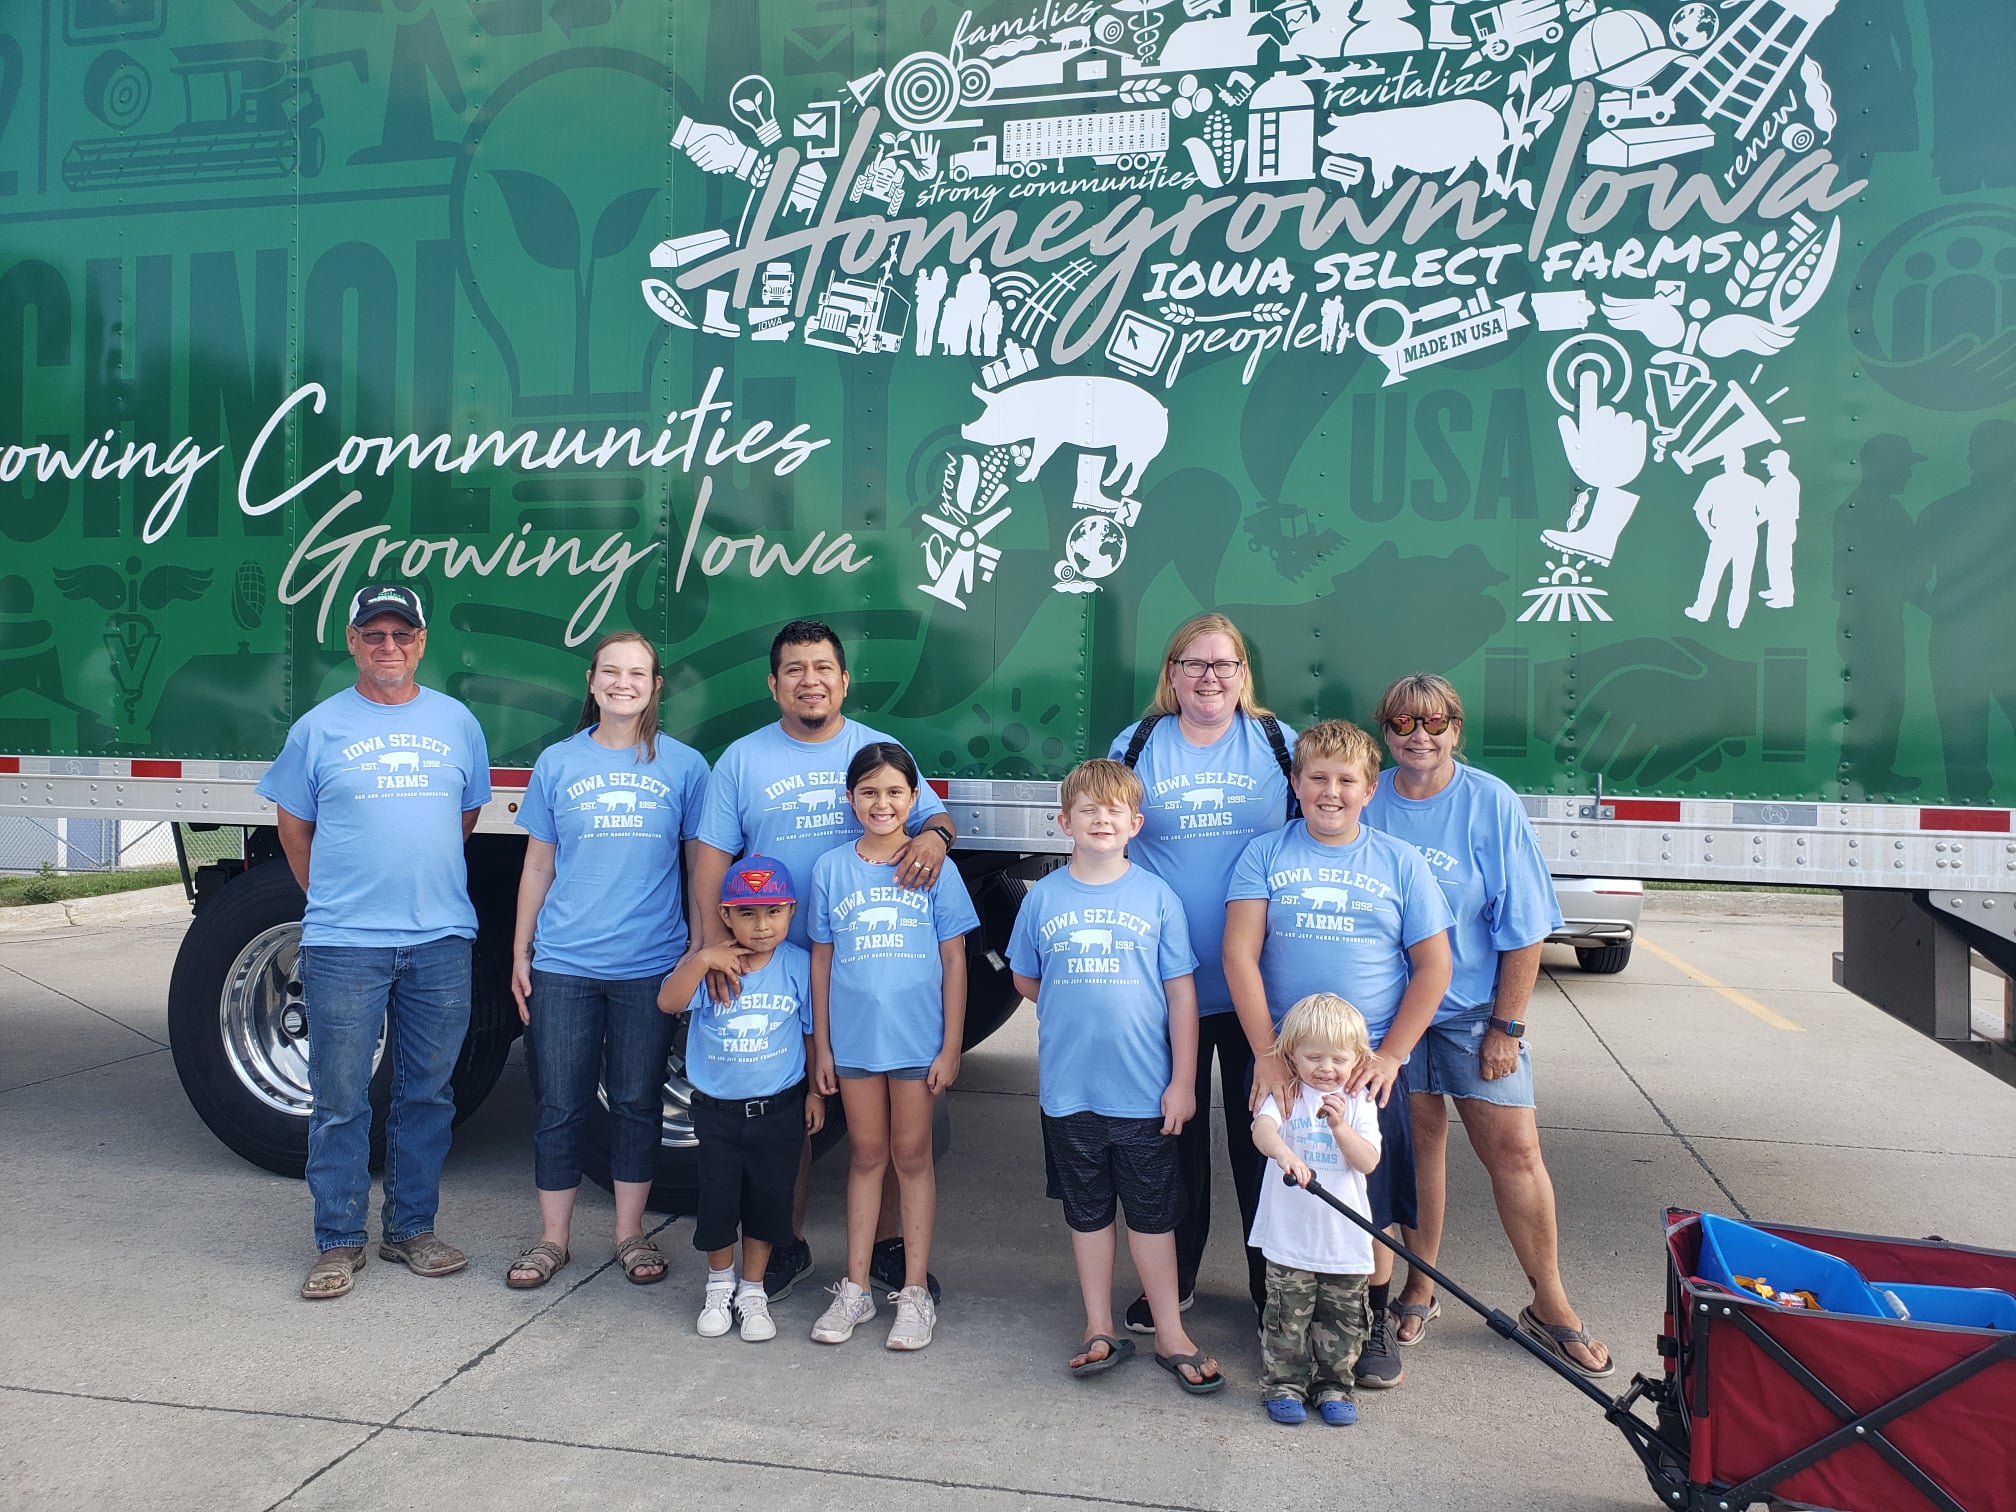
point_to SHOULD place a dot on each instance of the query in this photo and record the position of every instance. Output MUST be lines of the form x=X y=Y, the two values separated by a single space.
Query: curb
x=149 y=905
x=1661 y=904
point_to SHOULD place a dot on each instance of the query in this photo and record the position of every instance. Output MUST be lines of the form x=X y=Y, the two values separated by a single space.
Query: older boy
x=1102 y=948
x=1325 y=904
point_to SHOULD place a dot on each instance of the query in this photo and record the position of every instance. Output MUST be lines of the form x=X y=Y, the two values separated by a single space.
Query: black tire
x=1603 y=960
x=239 y=1042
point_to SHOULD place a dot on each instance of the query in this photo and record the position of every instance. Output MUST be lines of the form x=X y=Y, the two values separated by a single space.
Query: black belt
x=753 y=1107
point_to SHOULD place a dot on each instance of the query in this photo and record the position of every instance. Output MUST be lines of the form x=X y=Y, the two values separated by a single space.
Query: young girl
x=1317 y=1259
x=888 y=1017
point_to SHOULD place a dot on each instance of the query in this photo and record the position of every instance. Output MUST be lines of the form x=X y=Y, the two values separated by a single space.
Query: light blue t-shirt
x=385 y=786
x=1476 y=839
x=1340 y=918
x=755 y=1045
x=885 y=999
x=1201 y=807
x=616 y=909
x=1102 y=952
x=775 y=796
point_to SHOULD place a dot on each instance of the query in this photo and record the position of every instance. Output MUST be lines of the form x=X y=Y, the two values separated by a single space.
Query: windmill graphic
x=1740 y=73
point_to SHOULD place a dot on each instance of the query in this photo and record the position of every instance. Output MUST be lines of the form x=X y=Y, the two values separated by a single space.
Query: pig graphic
x=1088 y=939
x=1198 y=798
x=876 y=918
x=1328 y=897
x=400 y=761
x=619 y=798
x=1446 y=137
x=1089 y=413
x=813 y=798
x=748 y=1023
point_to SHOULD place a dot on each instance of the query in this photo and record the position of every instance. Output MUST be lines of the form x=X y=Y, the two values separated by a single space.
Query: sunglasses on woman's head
x=1434 y=724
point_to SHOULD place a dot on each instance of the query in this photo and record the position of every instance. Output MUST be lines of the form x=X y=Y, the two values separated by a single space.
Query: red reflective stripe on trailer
x=510 y=777
x=1982 y=821
x=157 y=769
x=939 y=786
x=10 y=763
x=1664 y=810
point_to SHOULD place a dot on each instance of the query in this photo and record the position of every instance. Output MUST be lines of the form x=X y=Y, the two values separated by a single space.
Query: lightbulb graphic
x=754 y=103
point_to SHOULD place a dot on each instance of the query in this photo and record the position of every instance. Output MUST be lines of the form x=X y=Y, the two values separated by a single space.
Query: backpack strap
x=1140 y=741
x=1271 y=727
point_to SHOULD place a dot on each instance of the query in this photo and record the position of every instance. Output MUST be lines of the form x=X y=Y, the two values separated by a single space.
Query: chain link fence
x=62 y=846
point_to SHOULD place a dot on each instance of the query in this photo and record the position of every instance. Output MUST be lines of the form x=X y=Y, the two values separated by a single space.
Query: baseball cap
x=374 y=599
x=758 y=879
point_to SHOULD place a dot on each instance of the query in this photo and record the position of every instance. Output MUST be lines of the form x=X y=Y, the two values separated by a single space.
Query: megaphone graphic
x=1735 y=424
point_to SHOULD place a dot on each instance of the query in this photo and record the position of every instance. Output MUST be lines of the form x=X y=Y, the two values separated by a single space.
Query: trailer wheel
x=1603 y=960
x=239 y=1033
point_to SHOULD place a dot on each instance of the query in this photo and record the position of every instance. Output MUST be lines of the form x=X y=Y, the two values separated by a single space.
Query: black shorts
x=747 y=1168
x=1091 y=1160
x=1389 y=1188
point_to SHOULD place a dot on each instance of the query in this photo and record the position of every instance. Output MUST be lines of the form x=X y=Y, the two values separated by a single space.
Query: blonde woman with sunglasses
x=1474 y=833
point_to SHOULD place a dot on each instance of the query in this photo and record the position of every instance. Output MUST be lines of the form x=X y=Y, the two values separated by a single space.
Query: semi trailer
x=1693 y=470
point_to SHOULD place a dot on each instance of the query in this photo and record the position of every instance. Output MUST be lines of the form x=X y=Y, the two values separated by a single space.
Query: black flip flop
x=1116 y=1351
x=1195 y=1360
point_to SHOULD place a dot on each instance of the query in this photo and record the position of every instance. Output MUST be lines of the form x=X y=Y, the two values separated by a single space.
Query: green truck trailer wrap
x=1648 y=370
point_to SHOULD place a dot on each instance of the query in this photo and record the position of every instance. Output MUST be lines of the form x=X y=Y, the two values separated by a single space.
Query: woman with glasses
x=1214 y=767
x=602 y=918
x=1474 y=833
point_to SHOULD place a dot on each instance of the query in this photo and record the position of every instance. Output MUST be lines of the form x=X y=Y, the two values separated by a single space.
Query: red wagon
x=1845 y=1407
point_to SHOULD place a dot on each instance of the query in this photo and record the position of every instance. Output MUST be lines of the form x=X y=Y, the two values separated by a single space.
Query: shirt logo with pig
x=1094 y=944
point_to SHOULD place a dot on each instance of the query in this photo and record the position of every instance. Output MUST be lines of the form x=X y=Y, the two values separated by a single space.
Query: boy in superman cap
x=751 y=1106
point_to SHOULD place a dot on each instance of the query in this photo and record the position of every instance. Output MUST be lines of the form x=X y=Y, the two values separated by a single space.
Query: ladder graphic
x=1740 y=73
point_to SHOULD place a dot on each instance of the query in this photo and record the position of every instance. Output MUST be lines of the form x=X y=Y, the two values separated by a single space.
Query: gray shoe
x=1378 y=1367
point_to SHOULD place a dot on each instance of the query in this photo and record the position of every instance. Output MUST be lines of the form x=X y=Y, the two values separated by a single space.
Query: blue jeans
x=419 y=996
x=581 y=1028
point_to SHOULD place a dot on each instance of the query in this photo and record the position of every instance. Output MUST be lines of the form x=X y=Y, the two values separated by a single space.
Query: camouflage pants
x=1310 y=1334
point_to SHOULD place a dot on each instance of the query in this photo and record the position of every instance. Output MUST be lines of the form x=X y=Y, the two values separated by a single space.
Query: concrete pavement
x=153 y=1352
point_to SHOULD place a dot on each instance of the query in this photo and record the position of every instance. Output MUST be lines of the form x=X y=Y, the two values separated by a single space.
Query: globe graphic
x=1693 y=26
x=1095 y=547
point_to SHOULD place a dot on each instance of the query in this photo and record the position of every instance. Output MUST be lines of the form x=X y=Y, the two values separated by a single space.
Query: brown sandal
x=542 y=1259
x=638 y=1253
x=332 y=1274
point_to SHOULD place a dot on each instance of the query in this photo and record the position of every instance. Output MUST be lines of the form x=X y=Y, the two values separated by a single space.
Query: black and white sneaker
x=888 y=1268
x=1141 y=1319
x=789 y=1264
x=1379 y=1367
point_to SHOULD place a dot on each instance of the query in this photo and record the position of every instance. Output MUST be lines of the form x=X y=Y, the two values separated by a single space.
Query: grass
x=49 y=887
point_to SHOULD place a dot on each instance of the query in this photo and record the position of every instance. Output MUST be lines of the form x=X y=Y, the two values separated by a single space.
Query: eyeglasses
x=1195 y=669
x=1434 y=724
x=399 y=638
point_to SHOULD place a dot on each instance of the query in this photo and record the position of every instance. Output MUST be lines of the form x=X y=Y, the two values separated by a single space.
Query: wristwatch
x=941 y=829
x=1510 y=1028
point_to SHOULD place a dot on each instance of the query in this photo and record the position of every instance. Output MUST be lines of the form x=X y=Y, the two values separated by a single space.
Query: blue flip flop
x=1195 y=1360
x=1116 y=1351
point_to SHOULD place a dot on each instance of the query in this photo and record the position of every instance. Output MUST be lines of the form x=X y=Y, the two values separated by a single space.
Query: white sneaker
x=754 y=1306
x=717 y=1312
x=850 y=1308
x=915 y=1318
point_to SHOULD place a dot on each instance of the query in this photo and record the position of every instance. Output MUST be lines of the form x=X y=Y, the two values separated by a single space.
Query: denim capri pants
x=583 y=1029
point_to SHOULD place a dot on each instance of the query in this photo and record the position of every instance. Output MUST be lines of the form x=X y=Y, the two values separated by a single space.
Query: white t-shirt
x=1297 y=1229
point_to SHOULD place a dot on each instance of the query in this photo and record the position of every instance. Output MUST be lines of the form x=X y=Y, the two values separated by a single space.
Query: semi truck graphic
x=1124 y=139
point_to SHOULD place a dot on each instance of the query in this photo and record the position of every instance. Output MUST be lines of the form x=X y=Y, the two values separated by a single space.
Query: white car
x=1599 y=918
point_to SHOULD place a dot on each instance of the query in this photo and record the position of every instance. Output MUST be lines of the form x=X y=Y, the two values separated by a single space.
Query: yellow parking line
x=1742 y=1000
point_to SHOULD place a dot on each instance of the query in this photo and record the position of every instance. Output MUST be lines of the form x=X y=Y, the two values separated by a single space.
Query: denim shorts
x=894 y=1073
x=1446 y=1062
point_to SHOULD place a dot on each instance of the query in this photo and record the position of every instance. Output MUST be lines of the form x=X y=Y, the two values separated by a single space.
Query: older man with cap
x=378 y=788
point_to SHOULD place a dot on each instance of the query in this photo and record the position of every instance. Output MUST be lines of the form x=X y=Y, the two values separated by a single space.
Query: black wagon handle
x=1499 y=1323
